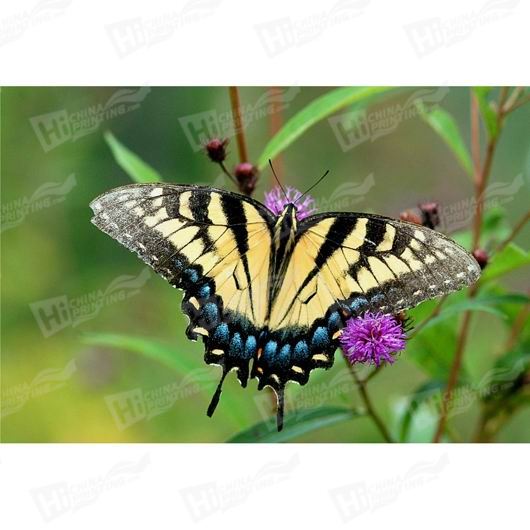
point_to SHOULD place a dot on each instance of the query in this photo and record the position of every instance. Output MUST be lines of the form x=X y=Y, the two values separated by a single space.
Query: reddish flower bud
x=216 y=149
x=247 y=176
x=481 y=256
x=411 y=217
x=429 y=214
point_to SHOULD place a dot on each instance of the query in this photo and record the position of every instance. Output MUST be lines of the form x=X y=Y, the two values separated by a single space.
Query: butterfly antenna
x=278 y=180
x=215 y=398
x=313 y=186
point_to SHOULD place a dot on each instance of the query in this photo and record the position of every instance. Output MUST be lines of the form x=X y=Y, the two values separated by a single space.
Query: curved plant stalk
x=481 y=175
x=370 y=410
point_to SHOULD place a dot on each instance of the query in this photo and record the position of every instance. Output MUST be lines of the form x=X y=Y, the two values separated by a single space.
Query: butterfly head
x=290 y=210
x=289 y=216
x=286 y=222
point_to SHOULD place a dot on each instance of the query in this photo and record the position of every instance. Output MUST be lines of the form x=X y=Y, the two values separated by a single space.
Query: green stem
x=228 y=174
x=481 y=175
x=363 y=391
x=516 y=229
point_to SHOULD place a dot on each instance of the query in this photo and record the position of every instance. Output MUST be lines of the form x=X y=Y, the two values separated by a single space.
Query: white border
x=221 y=42
x=243 y=486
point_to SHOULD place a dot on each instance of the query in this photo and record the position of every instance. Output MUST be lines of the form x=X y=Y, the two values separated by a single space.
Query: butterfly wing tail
x=217 y=394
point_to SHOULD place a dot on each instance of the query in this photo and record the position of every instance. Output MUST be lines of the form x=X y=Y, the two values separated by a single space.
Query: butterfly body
x=283 y=240
x=269 y=295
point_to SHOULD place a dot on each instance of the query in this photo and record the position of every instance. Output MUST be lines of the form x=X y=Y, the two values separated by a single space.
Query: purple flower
x=372 y=338
x=276 y=201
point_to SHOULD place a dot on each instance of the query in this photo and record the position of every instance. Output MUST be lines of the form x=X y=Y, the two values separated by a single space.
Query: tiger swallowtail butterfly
x=269 y=295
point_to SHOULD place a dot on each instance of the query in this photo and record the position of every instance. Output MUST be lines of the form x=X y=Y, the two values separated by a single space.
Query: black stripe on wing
x=114 y=214
x=131 y=215
x=417 y=264
x=338 y=232
x=237 y=219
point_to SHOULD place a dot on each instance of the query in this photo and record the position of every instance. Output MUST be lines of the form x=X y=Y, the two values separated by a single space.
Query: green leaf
x=131 y=163
x=511 y=257
x=317 y=110
x=510 y=365
x=149 y=348
x=180 y=364
x=295 y=424
x=486 y=110
x=505 y=382
x=445 y=125
x=486 y=304
x=495 y=226
x=427 y=396
x=432 y=350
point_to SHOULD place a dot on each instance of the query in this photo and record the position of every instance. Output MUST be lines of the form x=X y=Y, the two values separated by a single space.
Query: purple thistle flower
x=276 y=201
x=372 y=338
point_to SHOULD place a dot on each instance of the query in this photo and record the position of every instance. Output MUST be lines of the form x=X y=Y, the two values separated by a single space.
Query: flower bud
x=216 y=149
x=410 y=217
x=247 y=176
x=481 y=256
x=429 y=214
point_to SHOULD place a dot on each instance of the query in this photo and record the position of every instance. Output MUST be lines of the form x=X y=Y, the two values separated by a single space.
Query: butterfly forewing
x=381 y=263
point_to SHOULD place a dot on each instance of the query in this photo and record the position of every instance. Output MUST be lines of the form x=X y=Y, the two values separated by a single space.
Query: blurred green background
x=63 y=279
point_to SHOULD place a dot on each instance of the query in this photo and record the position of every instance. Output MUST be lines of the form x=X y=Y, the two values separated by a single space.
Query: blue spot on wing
x=210 y=313
x=236 y=345
x=192 y=275
x=250 y=347
x=301 y=352
x=358 y=303
x=285 y=354
x=334 y=321
x=320 y=339
x=269 y=352
x=204 y=291
x=221 y=333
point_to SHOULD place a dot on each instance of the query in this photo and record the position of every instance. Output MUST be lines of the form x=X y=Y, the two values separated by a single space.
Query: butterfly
x=269 y=294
